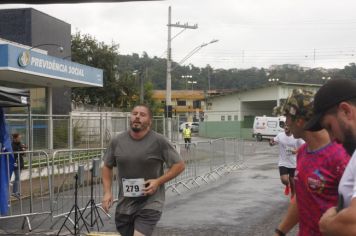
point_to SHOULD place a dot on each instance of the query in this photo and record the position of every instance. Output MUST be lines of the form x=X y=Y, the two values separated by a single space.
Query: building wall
x=245 y=105
x=15 y=25
x=185 y=112
x=223 y=106
x=31 y=27
x=47 y=29
x=260 y=94
x=218 y=129
x=257 y=108
x=249 y=103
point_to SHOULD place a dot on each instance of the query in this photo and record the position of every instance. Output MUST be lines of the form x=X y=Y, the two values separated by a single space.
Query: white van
x=267 y=127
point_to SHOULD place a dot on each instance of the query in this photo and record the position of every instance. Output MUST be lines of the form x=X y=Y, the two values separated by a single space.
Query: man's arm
x=290 y=219
x=107 y=182
x=153 y=184
x=340 y=224
x=272 y=142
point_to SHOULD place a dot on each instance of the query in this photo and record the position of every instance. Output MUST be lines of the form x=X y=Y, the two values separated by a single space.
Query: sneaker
x=286 y=190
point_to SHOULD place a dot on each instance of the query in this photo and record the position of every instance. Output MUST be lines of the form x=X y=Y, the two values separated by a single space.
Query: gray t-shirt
x=140 y=159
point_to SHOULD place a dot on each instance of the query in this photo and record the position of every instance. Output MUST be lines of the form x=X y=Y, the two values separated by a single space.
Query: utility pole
x=168 y=109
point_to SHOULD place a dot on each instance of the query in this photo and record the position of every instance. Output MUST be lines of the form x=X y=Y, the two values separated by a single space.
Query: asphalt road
x=248 y=201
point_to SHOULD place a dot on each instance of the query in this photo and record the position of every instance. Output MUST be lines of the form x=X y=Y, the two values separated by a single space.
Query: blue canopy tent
x=9 y=97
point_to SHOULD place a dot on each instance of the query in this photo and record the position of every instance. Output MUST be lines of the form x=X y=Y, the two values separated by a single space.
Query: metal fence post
x=101 y=130
x=164 y=126
x=70 y=131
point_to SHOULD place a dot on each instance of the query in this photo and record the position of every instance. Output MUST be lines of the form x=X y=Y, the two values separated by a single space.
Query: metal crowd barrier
x=47 y=183
x=65 y=165
x=34 y=187
x=207 y=161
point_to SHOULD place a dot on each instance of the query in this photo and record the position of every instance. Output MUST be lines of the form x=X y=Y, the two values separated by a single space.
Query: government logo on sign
x=24 y=58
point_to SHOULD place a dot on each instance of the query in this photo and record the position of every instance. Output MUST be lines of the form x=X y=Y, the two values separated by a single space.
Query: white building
x=249 y=103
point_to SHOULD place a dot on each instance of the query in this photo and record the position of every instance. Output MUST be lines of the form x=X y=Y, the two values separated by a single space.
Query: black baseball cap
x=329 y=95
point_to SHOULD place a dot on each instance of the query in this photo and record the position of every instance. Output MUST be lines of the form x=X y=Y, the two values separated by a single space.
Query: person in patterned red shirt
x=320 y=165
x=335 y=110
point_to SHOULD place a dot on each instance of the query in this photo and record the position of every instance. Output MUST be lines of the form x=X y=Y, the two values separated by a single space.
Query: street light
x=25 y=57
x=69 y=57
x=192 y=82
x=60 y=47
x=169 y=70
x=140 y=79
x=273 y=80
x=195 y=50
x=186 y=77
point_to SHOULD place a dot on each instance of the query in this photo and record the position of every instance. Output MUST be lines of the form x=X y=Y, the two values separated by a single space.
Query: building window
x=229 y=118
x=181 y=103
x=222 y=118
x=196 y=104
x=236 y=117
x=272 y=124
x=38 y=101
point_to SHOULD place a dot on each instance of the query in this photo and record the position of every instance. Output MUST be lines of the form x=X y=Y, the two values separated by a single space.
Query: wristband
x=279 y=232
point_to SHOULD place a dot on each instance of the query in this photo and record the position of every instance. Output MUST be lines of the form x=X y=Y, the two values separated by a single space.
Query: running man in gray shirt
x=139 y=155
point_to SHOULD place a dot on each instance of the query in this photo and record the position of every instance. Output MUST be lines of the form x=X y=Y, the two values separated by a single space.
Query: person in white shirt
x=288 y=147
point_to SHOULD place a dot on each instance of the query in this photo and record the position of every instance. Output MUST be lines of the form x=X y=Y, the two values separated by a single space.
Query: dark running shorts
x=187 y=140
x=143 y=221
x=286 y=171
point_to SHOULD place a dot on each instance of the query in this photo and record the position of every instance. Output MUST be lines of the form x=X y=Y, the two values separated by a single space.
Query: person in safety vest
x=187 y=135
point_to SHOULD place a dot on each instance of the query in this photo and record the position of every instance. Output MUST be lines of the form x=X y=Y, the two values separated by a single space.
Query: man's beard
x=349 y=142
x=139 y=128
x=136 y=129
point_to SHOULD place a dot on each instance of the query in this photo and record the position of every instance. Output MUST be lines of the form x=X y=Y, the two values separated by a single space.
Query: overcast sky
x=255 y=33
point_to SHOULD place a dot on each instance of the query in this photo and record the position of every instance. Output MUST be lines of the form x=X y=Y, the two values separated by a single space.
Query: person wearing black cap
x=335 y=110
x=320 y=164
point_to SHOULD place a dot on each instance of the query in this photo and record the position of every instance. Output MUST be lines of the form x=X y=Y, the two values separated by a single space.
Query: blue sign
x=32 y=62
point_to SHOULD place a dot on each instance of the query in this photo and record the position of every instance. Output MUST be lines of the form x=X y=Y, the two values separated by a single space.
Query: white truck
x=267 y=126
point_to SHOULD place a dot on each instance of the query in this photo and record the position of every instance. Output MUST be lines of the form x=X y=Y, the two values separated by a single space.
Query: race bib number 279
x=133 y=187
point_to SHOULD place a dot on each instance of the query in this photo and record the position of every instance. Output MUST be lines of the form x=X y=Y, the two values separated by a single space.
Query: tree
x=120 y=85
x=87 y=50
